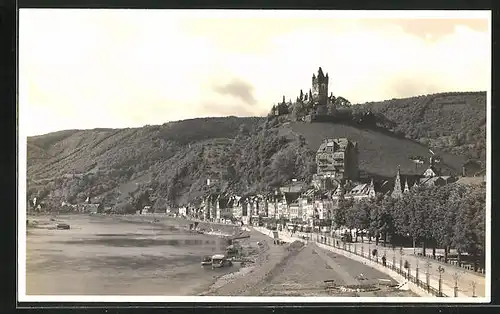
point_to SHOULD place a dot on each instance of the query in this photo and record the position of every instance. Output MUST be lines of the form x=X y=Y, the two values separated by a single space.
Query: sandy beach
x=154 y=255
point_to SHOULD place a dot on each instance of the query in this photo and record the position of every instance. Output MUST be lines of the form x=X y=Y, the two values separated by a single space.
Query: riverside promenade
x=421 y=271
x=468 y=283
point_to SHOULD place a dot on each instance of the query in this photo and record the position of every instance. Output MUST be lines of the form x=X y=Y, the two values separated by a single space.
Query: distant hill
x=174 y=160
x=80 y=151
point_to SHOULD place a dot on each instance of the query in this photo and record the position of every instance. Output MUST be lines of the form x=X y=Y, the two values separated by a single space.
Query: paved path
x=465 y=279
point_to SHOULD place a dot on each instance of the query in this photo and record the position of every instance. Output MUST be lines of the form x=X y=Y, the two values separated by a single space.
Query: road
x=303 y=272
x=467 y=281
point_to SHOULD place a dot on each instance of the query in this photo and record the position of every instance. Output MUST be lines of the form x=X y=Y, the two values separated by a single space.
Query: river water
x=106 y=255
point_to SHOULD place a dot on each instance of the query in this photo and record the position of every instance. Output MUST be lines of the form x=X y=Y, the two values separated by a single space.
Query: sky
x=84 y=69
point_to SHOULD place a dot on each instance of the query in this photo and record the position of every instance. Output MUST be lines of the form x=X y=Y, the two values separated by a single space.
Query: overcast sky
x=83 y=69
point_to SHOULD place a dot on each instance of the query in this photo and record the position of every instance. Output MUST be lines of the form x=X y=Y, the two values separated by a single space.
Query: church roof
x=430 y=181
x=359 y=189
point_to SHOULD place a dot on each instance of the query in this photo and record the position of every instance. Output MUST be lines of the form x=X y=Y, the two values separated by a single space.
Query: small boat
x=206 y=261
x=63 y=227
x=219 y=260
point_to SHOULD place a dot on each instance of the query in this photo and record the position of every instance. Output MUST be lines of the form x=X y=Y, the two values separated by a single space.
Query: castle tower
x=397 y=192
x=320 y=88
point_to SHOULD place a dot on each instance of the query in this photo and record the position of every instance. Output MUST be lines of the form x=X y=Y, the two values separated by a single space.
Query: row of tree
x=451 y=216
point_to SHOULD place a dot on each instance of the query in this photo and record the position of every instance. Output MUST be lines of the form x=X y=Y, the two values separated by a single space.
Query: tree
x=341 y=212
x=284 y=164
x=420 y=209
x=230 y=173
x=443 y=217
x=342 y=102
x=378 y=219
x=387 y=204
x=358 y=217
x=160 y=204
x=401 y=215
x=298 y=110
x=142 y=199
x=469 y=228
x=125 y=208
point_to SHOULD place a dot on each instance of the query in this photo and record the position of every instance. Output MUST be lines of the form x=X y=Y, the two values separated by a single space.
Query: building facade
x=337 y=159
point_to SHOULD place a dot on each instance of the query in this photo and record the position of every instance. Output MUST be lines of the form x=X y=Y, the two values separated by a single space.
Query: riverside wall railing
x=421 y=277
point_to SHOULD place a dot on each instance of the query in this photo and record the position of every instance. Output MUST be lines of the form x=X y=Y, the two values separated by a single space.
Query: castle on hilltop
x=316 y=105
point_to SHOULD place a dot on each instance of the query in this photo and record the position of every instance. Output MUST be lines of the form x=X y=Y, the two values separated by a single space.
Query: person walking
x=383 y=260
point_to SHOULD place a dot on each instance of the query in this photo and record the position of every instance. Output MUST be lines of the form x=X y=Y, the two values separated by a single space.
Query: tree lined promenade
x=455 y=281
x=440 y=218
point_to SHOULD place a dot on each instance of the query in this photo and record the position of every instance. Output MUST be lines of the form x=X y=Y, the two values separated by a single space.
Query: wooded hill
x=453 y=122
x=174 y=160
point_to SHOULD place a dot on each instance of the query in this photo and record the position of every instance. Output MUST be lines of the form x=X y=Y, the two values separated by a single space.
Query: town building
x=337 y=159
x=224 y=208
x=430 y=177
x=262 y=206
x=209 y=207
x=294 y=211
x=362 y=191
x=282 y=209
x=183 y=211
